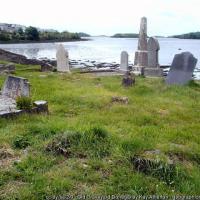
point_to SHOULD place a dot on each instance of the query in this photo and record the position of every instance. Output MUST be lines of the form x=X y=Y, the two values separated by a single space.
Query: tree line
x=32 y=34
x=193 y=35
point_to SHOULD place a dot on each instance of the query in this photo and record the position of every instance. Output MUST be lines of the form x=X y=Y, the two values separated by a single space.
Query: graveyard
x=92 y=142
x=122 y=132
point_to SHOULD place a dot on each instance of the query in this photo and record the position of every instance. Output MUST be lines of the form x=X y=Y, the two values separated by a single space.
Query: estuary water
x=105 y=49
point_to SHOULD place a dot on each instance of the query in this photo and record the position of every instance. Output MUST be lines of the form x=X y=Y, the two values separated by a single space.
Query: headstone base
x=178 y=78
x=153 y=72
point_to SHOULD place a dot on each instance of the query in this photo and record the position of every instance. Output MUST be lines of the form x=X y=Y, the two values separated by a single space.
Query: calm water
x=104 y=49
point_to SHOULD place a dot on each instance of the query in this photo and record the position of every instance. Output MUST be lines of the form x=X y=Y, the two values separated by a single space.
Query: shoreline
x=77 y=64
x=43 y=41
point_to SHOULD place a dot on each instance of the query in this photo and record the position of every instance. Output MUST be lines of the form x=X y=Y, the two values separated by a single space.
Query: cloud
x=165 y=17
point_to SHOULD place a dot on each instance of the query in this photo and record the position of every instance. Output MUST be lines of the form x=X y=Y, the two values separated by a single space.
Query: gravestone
x=182 y=69
x=153 y=68
x=62 y=59
x=141 y=55
x=124 y=61
x=15 y=87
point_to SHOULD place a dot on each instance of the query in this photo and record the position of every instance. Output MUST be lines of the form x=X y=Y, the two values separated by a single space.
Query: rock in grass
x=123 y=100
x=42 y=106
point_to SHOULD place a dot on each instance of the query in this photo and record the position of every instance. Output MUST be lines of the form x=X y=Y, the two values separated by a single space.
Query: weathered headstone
x=15 y=87
x=181 y=69
x=141 y=55
x=62 y=59
x=153 y=68
x=124 y=61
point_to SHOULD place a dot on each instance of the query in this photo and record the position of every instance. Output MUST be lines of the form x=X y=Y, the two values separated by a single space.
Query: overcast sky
x=105 y=17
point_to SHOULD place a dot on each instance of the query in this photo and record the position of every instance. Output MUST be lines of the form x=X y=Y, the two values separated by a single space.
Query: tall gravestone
x=15 y=87
x=124 y=61
x=141 y=55
x=182 y=69
x=62 y=59
x=153 y=67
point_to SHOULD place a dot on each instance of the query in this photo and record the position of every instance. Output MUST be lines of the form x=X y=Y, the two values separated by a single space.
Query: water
x=105 y=49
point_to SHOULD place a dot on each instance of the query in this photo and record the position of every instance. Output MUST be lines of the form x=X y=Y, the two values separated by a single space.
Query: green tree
x=20 y=31
x=4 y=36
x=32 y=33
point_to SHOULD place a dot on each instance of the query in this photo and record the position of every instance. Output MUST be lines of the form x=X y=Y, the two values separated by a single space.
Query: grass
x=85 y=144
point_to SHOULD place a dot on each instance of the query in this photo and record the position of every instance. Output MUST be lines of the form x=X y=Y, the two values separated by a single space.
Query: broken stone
x=42 y=106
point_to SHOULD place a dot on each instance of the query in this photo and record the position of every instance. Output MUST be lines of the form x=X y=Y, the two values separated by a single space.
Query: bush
x=21 y=142
x=24 y=103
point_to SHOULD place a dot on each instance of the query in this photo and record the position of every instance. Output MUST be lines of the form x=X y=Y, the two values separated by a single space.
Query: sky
x=105 y=17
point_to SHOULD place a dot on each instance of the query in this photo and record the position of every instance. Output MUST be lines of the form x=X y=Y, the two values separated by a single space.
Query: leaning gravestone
x=62 y=59
x=16 y=86
x=182 y=69
x=153 y=69
x=124 y=61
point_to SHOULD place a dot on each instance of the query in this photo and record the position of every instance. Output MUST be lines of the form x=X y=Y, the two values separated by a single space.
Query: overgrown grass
x=85 y=144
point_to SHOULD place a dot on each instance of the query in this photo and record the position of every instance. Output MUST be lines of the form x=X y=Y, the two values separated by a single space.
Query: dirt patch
x=163 y=112
x=11 y=188
x=7 y=157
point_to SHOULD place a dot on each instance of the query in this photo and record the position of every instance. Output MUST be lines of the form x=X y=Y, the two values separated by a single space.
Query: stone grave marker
x=141 y=55
x=16 y=86
x=62 y=59
x=153 y=69
x=182 y=69
x=124 y=61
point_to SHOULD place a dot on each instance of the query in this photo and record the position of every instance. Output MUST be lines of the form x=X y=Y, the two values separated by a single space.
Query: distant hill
x=192 y=35
x=81 y=34
x=126 y=35
x=15 y=33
